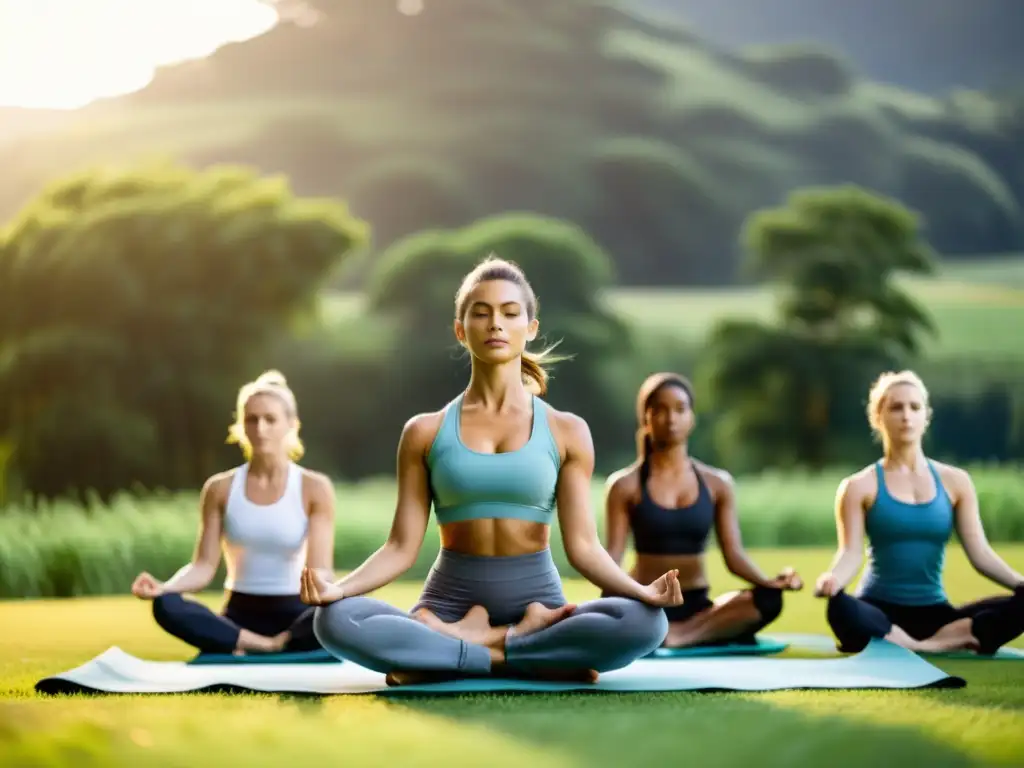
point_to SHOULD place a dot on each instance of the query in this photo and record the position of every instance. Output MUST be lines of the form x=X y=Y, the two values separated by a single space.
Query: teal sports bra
x=469 y=485
x=907 y=546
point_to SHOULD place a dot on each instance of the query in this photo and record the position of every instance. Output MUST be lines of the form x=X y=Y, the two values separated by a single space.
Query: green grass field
x=982 y=724
x=966 y=301
x=964 y=312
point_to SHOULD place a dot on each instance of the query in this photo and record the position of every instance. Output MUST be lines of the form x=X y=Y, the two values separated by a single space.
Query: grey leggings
x=604 y=634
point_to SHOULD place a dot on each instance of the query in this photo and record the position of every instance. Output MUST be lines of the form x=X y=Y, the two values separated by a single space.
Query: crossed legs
x=983 y=626
x=733 y=617
x=254 y=624
x=557 y=641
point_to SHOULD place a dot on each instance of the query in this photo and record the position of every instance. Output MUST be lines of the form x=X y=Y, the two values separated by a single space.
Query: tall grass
x=65 y=551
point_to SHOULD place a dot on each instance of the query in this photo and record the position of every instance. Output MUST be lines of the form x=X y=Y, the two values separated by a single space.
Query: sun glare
x=64 y=54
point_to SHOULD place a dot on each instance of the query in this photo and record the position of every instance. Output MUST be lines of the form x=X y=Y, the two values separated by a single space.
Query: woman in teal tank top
x=493 y=463
x=908 y=506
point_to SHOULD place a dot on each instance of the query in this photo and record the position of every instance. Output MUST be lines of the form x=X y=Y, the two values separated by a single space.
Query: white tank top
x=265 y=544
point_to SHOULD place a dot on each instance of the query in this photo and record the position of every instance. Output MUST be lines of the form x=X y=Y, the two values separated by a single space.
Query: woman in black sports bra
x=670 y=502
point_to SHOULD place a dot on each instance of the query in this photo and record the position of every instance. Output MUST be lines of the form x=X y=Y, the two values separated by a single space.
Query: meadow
x=964 y=311
x=980 y=725
x=966 y=300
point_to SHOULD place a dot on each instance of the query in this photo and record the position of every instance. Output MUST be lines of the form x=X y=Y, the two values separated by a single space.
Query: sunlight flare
x=64 y=54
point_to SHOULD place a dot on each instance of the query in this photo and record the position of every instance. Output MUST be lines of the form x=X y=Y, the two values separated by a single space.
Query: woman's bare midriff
x=495 y=538
x=650 y=568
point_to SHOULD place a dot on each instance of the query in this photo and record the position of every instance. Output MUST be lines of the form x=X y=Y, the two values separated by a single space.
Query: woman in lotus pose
x=494 y=462
x=670 y=502
x=908 y=506
x=262 y=514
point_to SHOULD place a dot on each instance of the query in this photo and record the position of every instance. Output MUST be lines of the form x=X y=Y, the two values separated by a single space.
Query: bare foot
x=426 y=616
x=945 y=645
x=475 y=627
x=686 y=635
x=475 y=622
x=538 y=617
x=275 y=643
x=251 y=642
x=412 y=677
x=677 y=637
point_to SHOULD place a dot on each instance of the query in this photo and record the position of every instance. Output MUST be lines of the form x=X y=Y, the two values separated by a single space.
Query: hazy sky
x=62 y=54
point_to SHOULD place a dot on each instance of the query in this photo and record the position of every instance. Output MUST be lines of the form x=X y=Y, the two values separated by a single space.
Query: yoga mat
x=762 y=647
x=826 y=643
x=806 y=642
x=1003 y=654
x=881 y=665
x=284 y=657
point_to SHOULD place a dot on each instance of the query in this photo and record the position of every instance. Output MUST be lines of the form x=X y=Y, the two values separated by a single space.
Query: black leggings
x=856 y=620
x=266 y=615
x=767 y=601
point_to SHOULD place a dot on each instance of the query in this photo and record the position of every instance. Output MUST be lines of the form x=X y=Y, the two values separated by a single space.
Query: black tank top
x=658 y=530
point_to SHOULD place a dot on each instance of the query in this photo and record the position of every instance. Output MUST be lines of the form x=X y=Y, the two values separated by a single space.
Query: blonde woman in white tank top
x=270 y=518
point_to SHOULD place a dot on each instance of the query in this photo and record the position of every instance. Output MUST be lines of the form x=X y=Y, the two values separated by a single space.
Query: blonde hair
x=535 y=375
x=273 y=383
x=880 y=390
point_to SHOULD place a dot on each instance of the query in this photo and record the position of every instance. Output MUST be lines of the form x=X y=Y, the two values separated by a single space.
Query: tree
x=134 y=303
x=785 y=387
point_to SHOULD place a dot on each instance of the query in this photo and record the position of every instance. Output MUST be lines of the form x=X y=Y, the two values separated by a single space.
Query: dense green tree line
x=133 y=303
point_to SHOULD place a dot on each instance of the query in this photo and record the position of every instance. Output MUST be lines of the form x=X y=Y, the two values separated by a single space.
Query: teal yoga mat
x=880 y=666
x=827 y=644
x=764 y=646
x=1003 y=654
x=285 y=657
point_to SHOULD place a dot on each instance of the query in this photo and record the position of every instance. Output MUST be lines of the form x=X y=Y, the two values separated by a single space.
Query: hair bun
x=273 y=378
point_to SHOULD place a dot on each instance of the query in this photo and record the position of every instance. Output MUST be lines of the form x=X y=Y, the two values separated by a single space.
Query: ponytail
x=644 y=446
x=535 y=375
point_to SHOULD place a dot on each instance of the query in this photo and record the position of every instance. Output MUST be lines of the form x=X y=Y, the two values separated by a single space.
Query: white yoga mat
x=880 y=666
